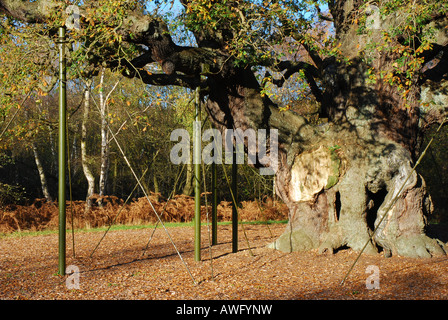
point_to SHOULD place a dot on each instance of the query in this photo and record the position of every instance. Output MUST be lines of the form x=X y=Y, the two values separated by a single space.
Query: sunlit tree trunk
x=42 y=176
x=188 y=187
x=40 y=168
x=104 y=170
x=84 y=159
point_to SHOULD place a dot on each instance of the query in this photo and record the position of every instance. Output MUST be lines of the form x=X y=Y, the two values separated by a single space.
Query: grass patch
x=118 y=227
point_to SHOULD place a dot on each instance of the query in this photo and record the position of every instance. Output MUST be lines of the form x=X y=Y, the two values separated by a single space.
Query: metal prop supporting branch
x=214 y=206
x=197 y=177
x=62 y=150
x=234 y=204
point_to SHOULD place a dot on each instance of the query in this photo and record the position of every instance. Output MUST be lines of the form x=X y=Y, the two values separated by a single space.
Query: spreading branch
x=311 y=73
x=38 y=11
x=321 y=15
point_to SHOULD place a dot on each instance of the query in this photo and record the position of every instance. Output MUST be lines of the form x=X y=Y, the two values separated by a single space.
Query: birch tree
x=84 y=157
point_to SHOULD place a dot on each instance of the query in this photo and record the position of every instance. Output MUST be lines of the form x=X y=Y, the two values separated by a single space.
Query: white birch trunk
x=85 y=167
x=40 y=169
x=104 y=139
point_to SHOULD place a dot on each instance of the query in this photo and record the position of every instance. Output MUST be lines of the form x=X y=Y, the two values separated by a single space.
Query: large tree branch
x=38 y=11
x=135 y=69
x=158 y=79
x=311 y=73
x=321 y=15
x=290 y=30
x=137 y=28
x=183 y=68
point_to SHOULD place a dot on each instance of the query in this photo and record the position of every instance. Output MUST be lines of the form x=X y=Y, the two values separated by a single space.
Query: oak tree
x=377 y=71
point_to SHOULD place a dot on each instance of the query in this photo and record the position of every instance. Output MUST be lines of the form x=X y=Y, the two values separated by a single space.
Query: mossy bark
x=331 y=216
x=338 y=179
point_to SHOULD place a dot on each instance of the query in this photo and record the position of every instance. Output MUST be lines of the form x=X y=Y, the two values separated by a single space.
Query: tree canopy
x=276 y=39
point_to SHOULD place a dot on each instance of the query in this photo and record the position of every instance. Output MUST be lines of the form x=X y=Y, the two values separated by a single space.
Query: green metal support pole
x=234 y=204
x=62 y=150
x=197 y=178
x=214 y=206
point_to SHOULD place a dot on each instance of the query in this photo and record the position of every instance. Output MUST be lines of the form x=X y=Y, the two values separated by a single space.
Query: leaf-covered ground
x=120 y=269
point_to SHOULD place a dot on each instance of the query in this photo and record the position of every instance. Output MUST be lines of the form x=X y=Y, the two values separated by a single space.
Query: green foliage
x=142 y=117
x=405 y=40
x=5 y=160
x=251 y=31
x=9 y=193
x=99 y=39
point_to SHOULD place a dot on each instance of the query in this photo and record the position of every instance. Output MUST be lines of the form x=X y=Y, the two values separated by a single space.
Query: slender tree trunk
x=84 y=159
x=104 y=170
x=40 y=168
x=115 y=177
x=42 y=176
x=74 y=154
x=54 y=155
x=156 y=185
x=188 y=187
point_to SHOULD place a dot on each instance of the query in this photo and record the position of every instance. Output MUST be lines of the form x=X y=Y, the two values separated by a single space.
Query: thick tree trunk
x=341 y=179
x=356 y=171
x=338 y=179
x=337 y=197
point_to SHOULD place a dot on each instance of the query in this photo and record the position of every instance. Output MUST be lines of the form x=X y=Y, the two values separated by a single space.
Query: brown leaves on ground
x=121 y=269
x=43 y=215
